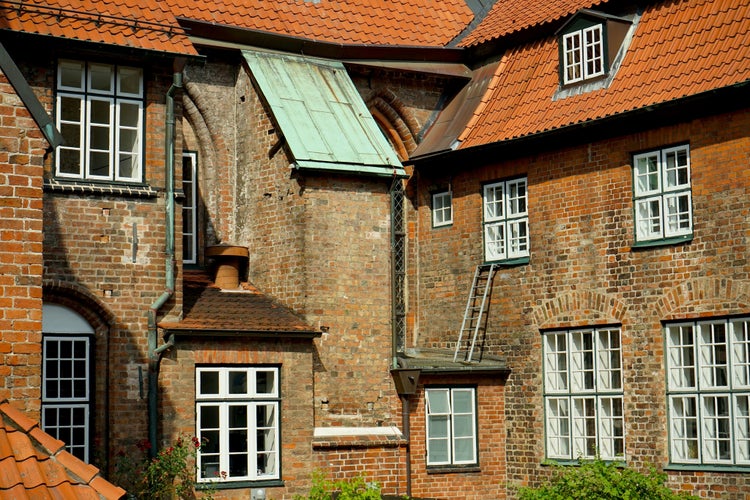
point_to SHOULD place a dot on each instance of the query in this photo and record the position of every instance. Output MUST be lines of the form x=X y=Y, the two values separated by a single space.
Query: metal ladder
x=476 y=307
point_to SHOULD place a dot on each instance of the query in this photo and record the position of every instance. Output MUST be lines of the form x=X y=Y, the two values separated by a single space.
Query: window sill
x=676 y=240
x=99 y=188
x=231 y=485
x=452 y=469
x=707 y=468
x=509 y=262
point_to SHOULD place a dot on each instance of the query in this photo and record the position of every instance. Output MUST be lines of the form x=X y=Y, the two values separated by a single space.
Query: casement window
x=583 y=394
x=99 y=109
x=238 y=423
x=451 y=426
x=708 y=392
x=506 y=220
x=583 y=54
x=66 y=391
x=442 y=209
x=189 y=208
x=662 y=195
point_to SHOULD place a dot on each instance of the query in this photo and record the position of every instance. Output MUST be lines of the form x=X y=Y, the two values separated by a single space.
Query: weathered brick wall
x=583 y=271
x=489 y=479
x=295 y=358
x=382 y=463
x=88 y=248
x=21 y=167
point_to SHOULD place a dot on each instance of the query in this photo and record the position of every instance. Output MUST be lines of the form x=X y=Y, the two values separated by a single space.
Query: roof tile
x=705 y=50
x=29 y=469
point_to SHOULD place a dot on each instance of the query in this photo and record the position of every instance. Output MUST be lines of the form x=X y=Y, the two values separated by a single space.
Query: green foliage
x=169 y=475
x=356 y=489
x=598 y=480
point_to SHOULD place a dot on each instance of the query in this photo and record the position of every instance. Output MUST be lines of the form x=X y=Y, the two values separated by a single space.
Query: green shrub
x=356 y=489
x=598 y=480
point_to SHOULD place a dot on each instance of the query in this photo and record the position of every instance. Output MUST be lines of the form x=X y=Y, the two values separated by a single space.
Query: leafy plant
x=599 y=480
x=355 y=489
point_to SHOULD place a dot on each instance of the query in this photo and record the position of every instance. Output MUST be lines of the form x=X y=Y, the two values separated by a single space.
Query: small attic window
x=588 y=44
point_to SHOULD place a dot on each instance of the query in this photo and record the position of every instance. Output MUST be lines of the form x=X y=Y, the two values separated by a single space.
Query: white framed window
x=66 y=391
x=583 y=54
x=99 y=110
x=583 y=394
x=708 y=391
x=662 y=194
x=190 y=208
x=506 y=220
x=237 y=420
x=442 y=209
x=451 y=426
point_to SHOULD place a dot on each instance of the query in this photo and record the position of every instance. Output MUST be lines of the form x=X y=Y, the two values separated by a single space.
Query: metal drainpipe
x=405 y=414
x=154 y=352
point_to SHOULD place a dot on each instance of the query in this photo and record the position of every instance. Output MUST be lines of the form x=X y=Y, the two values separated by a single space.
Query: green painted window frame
x=662 y=196
x=445 y=409
x=583 y=394
x=708 y=393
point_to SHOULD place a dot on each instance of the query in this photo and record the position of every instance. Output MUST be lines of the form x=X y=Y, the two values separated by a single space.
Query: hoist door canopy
x=322 y=117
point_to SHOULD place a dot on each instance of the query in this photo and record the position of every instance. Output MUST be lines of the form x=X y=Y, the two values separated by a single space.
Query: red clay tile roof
x=247 y=310
x=35 y=465
x=138 y=24
x=386 y=22
x=508 y=17
x=679 y=49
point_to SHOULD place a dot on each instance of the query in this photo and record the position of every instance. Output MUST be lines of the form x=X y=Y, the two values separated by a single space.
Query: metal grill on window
x=398 y=264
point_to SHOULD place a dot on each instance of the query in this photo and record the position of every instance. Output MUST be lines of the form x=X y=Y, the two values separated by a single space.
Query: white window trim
x=190 y=208
x=85 y=93
x=506 y=227
x=252 y=400
x=571 y=381
x=442 y=209
x=707 y=349
x=451 y=415
x=578 y=55
x=660 y=197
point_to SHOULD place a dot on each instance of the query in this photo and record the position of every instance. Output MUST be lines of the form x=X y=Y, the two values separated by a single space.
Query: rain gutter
x=154 y=352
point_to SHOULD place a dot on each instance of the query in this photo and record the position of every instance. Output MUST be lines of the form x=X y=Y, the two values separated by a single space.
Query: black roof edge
x=465 y=370
x=330 y=50
x=687 y=108
x=211 y=333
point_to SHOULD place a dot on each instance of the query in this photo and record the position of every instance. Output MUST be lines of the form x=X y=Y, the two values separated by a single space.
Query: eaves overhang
x=666 y=113
x=245 y=334
x=216 y=35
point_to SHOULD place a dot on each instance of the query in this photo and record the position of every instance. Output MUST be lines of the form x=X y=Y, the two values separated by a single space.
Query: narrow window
x=662 y=194
x=506 y=220
x=583 y=394
x=451 y=426
x=99 y=110
x=189 y=208
x=442 y=209
x=238 y=423
x=708 y=391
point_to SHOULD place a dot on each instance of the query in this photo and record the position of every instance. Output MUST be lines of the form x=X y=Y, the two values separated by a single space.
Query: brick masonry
x=585 y=271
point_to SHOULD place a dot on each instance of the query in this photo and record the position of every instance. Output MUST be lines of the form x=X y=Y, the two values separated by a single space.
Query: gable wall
x=583 y=271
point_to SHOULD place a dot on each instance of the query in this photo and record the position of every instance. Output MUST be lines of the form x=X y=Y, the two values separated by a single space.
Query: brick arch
x=78 y=299
x=576 y=308
x=393 y=117
x=707 y=296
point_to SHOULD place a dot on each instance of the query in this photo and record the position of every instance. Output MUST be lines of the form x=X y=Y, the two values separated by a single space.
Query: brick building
x=284 y=212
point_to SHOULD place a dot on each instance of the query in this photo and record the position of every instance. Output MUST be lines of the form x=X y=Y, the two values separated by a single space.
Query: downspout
x=154 y=352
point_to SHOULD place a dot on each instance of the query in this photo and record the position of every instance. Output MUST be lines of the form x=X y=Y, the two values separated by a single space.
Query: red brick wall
x=583 y=271
x=486 y=481
x=21 y=156
x=384 y=464
x=295 y=358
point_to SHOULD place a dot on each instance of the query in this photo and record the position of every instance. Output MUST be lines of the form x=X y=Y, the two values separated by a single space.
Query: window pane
x=493 y=202
x=437 y=401
x=742 y=428
x=130 y=81
x=208 y=383
x=713 y=354
x=71 y=74
x=558 y=428
x=494 y=240
x=716 y=433
x=740 y=353
x=556 y=368
x=238 y=382
x=681 y=357
x=265 y=382
x=648 y=216
x=584 y=427
x=101 y=78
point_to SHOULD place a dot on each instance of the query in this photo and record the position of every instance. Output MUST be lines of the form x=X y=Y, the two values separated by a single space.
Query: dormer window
x=591 y=45
x=583 y=54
